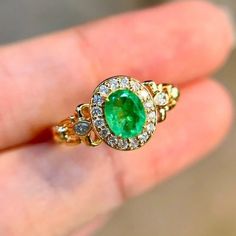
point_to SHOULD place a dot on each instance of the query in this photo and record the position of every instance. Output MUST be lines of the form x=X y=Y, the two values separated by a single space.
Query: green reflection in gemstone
x=124 y=113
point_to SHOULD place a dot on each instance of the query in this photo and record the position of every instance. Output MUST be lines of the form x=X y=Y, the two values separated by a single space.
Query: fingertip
x=207 y=43
x=222 y=112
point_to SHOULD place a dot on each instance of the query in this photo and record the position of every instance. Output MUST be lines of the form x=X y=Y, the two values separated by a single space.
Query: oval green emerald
x=124 y=113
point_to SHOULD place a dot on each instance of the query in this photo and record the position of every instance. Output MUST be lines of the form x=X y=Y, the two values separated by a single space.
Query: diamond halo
x=102 y=92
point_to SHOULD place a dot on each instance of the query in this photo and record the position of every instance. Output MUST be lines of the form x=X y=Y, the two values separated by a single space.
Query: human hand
x=52 y=190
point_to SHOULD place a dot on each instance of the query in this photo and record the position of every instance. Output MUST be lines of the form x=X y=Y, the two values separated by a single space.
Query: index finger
x=43 y=79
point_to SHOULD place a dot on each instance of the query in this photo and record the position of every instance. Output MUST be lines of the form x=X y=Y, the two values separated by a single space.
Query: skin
x=53 y=190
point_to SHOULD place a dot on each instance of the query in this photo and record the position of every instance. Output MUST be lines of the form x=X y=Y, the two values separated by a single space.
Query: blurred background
x=200 y=201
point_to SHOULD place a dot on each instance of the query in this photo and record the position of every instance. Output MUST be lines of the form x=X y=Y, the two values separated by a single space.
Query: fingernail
x=232 y=18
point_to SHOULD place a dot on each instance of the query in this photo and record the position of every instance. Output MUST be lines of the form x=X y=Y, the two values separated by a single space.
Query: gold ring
x=122 y=112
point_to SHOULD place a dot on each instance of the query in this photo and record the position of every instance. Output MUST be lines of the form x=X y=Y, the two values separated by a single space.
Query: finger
x=64 y=187
x=90 y=228
x=42 y=80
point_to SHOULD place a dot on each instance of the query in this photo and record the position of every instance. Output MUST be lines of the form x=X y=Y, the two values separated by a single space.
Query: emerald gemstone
x=124 y=113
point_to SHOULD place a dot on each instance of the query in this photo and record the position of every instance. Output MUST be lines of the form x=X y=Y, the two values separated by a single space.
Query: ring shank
x=78 y=128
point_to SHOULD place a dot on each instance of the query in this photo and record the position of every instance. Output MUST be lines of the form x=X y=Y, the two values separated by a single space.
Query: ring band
x=122 y=112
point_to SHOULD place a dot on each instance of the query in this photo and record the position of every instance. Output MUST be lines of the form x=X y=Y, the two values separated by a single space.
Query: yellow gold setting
x=89 y=125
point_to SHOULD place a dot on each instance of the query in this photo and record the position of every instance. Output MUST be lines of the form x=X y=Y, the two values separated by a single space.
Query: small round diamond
x=99 y=123
x=123 y=144
x=103 y=90
x=124 y=82
x=148 y=105
x=112 y=141
x=133 y=143
x=151 y=116
x=104 y=133
x=161 y=99
x=144 y=94
x=135 y=85
x=113 y=83
x=143 y=137
x=97 y=99
x=150 y=127
x=97 y=111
